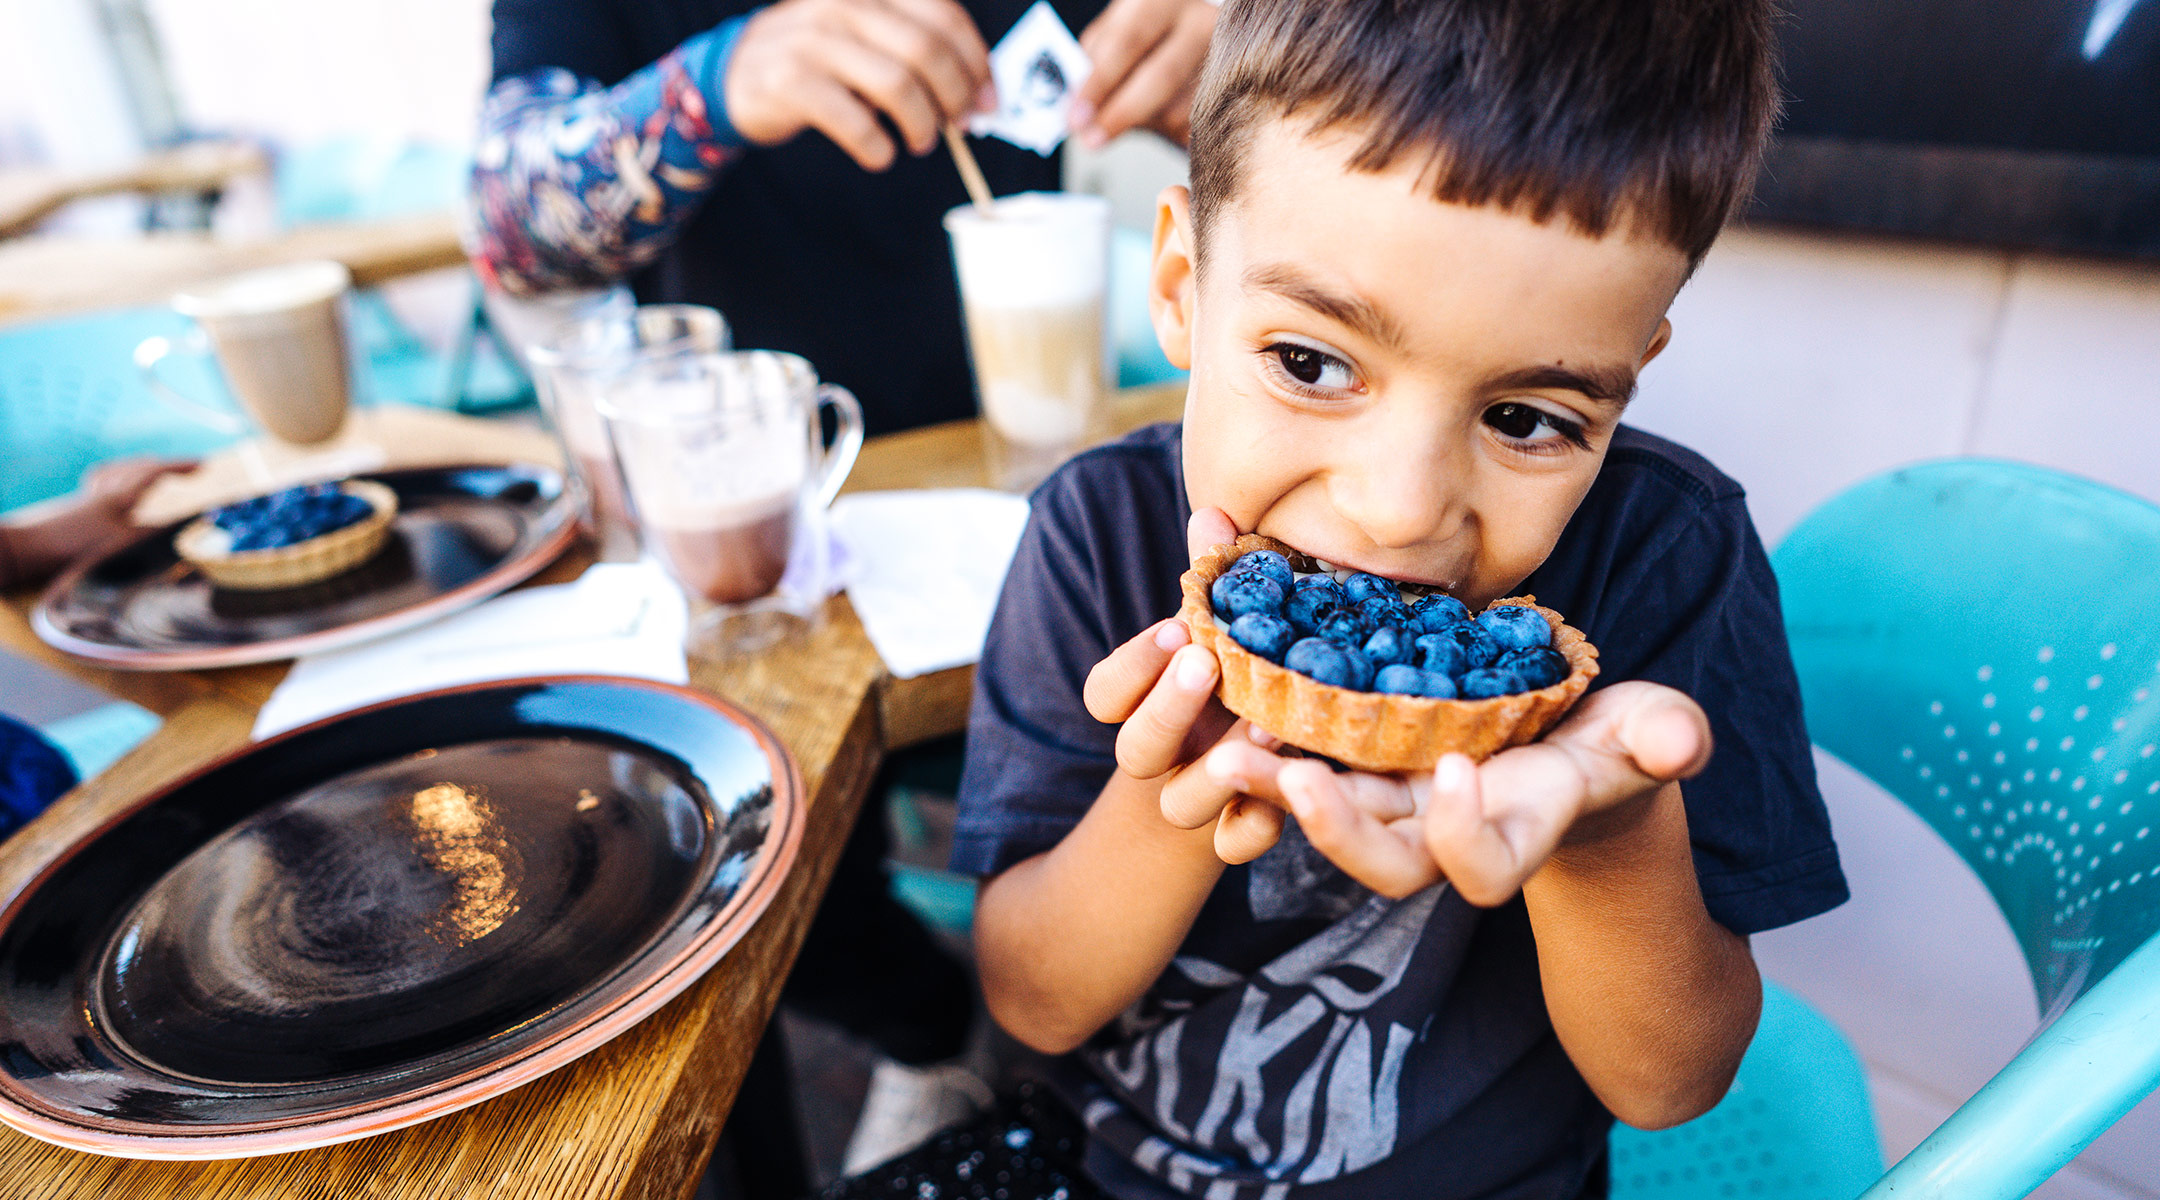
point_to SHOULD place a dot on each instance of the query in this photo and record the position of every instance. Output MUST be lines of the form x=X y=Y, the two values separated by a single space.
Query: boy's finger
x=1117 y=684
x=1209 y=527
x=1152 y=739
x=1365 y=849
x=1246 y=830
x=1629 y=739
x=1486 y=845
x=1196 y=796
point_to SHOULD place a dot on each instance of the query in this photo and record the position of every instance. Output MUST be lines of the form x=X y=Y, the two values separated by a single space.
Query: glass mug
x=581 y=357
x=279 y=336
x=723 y=461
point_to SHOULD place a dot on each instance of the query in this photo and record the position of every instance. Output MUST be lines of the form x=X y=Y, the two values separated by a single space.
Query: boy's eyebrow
x=1352 y=311
x=1613 y=386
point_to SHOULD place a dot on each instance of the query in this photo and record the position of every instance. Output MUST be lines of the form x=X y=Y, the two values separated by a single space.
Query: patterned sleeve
x=576 y=185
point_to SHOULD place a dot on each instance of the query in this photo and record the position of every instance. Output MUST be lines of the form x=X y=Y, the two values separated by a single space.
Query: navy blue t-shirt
x=1314 y=1039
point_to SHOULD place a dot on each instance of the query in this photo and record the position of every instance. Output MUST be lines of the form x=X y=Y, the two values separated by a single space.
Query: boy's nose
x=1404 y=488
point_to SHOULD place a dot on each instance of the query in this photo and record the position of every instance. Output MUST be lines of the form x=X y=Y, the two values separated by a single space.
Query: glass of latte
x=725 y=465
x=1032 y=274
x=582 y=356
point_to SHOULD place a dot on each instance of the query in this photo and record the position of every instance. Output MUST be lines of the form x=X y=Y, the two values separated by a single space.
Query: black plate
x=386 y=916
x=462 y=534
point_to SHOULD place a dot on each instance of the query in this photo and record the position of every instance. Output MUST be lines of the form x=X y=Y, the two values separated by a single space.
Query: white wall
x=1802 y=363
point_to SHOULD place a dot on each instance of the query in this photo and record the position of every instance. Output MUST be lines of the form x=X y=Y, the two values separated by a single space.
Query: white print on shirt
x=1341 y=1112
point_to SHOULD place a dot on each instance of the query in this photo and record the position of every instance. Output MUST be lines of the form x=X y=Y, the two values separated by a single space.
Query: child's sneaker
x=906 y=1105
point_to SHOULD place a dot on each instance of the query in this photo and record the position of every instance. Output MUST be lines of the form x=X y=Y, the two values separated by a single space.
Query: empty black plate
x=386 y=916
x=461 y=534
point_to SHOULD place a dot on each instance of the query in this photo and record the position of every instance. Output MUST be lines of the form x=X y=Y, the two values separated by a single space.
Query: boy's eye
x=1529 y=423
x=1313 y=368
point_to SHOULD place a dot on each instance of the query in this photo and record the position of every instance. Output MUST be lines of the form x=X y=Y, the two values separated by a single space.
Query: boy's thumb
x=1209 y=527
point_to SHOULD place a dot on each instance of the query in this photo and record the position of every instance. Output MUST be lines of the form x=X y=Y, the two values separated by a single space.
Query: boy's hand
x=1146 y=56
x=1161 y=687
x=1487 y=829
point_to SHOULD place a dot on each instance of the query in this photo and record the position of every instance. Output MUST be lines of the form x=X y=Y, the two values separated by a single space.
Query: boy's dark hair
x=1651 y=112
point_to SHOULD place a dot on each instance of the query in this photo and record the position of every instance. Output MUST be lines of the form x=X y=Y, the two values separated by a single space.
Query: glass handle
x=153 y=350
x=847 y=443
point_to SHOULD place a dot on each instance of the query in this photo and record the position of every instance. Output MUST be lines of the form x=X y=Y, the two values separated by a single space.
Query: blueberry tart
x=1375 y=674
x=286 y=539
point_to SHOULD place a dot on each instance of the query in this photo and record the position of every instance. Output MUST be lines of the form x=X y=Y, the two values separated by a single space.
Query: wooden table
x=637 y=1118
x=28 y=195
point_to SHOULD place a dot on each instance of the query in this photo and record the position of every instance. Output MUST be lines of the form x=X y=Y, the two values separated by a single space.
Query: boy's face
x=1417 y=389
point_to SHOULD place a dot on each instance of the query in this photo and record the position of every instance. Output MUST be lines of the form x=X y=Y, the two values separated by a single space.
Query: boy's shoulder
x=1641 y=461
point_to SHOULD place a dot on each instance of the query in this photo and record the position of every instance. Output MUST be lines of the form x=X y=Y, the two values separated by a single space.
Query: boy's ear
x=1171 y=279
x=1658 y=342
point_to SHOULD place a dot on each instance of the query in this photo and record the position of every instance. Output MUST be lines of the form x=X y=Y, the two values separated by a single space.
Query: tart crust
x=1373 y=731
x=202 y=543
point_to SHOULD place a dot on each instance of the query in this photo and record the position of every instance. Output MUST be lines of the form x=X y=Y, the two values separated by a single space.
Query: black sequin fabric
x=1027 y=1147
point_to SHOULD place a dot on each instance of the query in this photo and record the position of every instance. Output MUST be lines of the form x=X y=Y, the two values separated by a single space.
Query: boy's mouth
x=1445 y=582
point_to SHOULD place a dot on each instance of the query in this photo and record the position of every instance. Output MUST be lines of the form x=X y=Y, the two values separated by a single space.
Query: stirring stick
x=978 y=188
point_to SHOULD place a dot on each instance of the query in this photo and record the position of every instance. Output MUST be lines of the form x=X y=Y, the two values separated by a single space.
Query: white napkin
x=1037 y=66
x=927 y=569
x=616 y=619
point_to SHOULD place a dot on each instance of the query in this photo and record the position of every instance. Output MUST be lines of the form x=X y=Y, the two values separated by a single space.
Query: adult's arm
x=576 y=184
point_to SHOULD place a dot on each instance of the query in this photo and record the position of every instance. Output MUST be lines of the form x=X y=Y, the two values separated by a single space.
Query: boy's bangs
x=1650 y=115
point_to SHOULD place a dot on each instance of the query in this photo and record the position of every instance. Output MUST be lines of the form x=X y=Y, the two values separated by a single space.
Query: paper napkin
x=927 y=569
x=1037 y=66
x=616 y=619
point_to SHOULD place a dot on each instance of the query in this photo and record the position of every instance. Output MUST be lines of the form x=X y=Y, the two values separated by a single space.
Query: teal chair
x=1795 y=1126
x=1982 y=639
x=70 y=398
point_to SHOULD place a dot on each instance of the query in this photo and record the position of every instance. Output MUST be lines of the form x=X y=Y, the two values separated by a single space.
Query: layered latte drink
x=1032 y=278
x=720 y=457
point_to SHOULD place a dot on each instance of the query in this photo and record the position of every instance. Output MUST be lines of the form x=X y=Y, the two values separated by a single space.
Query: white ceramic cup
x=279 y=336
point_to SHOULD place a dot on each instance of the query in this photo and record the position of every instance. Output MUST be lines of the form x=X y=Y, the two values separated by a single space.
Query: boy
x=1428 y=246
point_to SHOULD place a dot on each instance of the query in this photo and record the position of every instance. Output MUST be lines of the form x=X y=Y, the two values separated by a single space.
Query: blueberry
x=1345 y=628
x=1268 y=563
x=1361 y=673
x=1478 y=647
x=1307 y=606
x=1539 y=666
x=1363 y=587
x=1441 y=654
x=1264 y=634
x=1385 y=610
x=1324 y=584
x=1328 y=662
x=1405 y=680
x=1245 y=592
x=1486 y=682
x=1319 y=659
x=1437 y=611
x=1516 y=626
x=1389 y=644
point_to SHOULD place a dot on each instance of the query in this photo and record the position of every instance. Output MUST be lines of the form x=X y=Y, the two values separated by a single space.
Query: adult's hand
x=1146 y=56
x=835 y=66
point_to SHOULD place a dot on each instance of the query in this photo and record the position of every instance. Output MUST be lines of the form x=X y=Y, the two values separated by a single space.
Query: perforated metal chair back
x=1982 y=639
x=70 y=397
